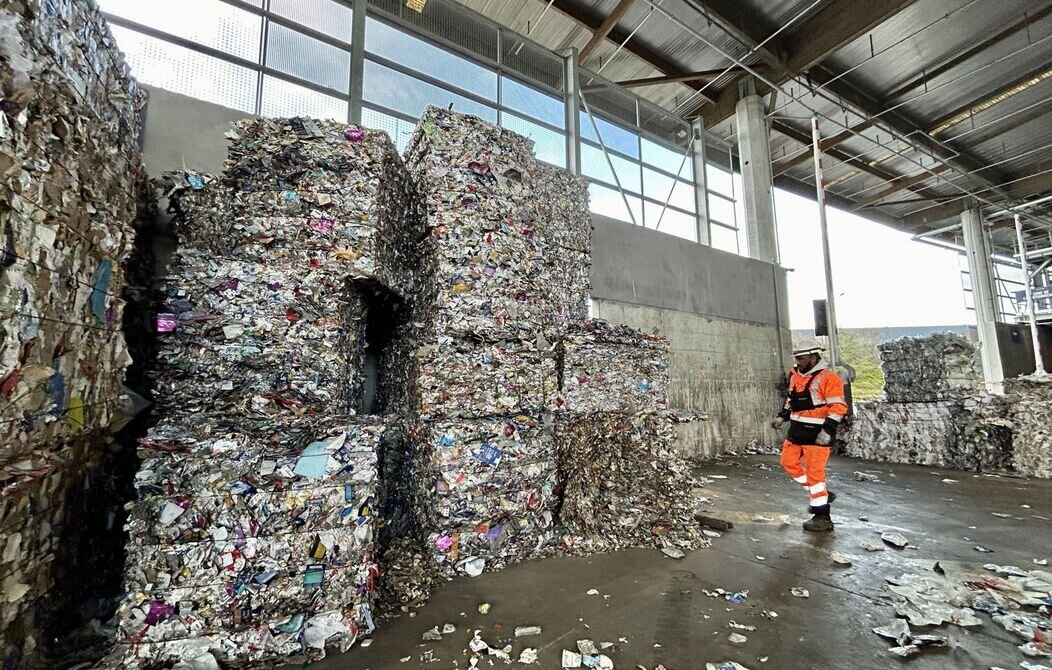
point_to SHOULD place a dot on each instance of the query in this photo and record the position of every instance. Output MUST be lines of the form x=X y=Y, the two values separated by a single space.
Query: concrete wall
x=726 y=315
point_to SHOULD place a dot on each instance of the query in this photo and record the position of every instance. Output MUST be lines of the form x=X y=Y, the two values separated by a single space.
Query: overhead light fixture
x=416 y=5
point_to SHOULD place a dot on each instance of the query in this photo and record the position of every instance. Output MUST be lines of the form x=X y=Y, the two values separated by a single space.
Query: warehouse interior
x=455 y=333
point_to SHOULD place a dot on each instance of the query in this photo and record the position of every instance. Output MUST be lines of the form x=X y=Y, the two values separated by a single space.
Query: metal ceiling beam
x=966 y=54
x=591 y=20
x=999 y=127
x=677 y=78
x=608 y=24
x=806 y=154
x=834 y=25
x=988 y=100
x=900 y=185
x=804 y=137
x=1023 y=188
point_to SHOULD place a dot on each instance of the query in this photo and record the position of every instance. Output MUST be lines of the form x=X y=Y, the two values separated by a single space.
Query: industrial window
x=722 y=210
x=549 y=145
x=615 y=137
x=416 y=54
x=724 y=238
x=658 y=187
x=325 y=16
x=285 y=99
x=210 y=23
x=608 y=202
x=719 y=180
x=188 y=72
x=671 y=221
x=668 y=160
x=532 y=102
x=398 y=129
x=307 y=58
x=403 y=93
x=594 y=164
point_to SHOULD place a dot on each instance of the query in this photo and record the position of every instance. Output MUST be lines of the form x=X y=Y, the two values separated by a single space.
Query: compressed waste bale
x=292 y=538
x=71 y=181
x=970 y=433
x=919 y=433
x=929 y=369
x=1031 y=416
x=492 y=497
x=623 y=483
x=254 y=334
x=460 y=377
x=507 y=265
x=609 y=367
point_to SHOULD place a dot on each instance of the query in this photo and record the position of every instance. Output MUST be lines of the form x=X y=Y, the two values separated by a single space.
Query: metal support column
x=820 y=197
x=701 y=183
x=1028 y=282
x=984 y=293
x=358 y=11
x=754 y=151
x=572 y=103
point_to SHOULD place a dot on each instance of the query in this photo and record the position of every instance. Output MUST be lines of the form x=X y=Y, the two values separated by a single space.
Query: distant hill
x=877 y=335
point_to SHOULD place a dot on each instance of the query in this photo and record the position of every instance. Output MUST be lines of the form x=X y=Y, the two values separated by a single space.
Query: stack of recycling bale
x=253 y=537
x=942 y=366
x=511 y=270
x=1031 y=417
x=624 y=485
x=71 y=180
x=935 y=411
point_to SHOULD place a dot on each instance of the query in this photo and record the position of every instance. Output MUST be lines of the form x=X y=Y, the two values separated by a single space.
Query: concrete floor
x=657 y=605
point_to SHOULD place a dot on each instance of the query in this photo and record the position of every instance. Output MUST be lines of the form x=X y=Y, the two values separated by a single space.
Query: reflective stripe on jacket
x=815 y=401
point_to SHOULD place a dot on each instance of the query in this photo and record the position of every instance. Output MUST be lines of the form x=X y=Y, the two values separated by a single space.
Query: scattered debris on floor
x=865 y=477
x=800 y=592
x=894 y=539
x=908 y=644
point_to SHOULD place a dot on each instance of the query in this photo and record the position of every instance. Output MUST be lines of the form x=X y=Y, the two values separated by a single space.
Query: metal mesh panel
x=389 y=7
x=215 y=24
x=604 y=97
x=284 y=99
x=307 y=58
x=458 y=25
x=188 y=72
x=325 y=16
x=531 y=61
x=663 y=125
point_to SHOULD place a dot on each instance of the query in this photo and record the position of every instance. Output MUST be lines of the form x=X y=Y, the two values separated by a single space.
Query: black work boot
x=819 y=524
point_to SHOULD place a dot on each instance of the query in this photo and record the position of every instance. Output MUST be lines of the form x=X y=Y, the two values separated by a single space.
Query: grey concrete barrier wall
x=726 y=315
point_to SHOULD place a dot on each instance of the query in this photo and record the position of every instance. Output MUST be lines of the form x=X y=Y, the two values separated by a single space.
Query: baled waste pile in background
x=935 y=411
x=938 y=367
x=254 y=535
x=320 y=282
x=1031 y=416
x=71 y=183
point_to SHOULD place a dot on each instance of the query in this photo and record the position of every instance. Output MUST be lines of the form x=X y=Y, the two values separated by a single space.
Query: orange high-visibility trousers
x=806 y=464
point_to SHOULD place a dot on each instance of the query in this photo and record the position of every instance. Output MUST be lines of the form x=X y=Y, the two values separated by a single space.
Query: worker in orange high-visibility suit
x=814 y=407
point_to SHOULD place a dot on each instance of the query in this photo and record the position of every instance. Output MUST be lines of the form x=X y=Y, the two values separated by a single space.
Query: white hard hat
x=807 y=345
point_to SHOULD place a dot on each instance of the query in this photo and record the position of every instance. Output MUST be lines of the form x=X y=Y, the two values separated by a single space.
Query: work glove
x=824 y=439
x=777 y=422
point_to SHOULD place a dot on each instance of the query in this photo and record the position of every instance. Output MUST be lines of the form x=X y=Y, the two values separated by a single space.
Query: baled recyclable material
x=929 y=369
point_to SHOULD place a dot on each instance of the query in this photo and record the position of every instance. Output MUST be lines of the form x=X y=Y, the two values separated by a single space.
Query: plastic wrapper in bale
x=929 y=369
x=614 y=368
x=623 y=483
x=1031 y=416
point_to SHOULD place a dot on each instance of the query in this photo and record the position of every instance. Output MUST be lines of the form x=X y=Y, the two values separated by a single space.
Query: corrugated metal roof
x=996 y=142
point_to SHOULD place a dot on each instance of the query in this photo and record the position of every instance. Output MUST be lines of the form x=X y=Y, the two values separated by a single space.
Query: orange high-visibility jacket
x=815 y=402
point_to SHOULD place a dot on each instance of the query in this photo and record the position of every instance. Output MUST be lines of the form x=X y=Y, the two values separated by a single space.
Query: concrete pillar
x=984 y=293
x=754 y=151
x=701 y=185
